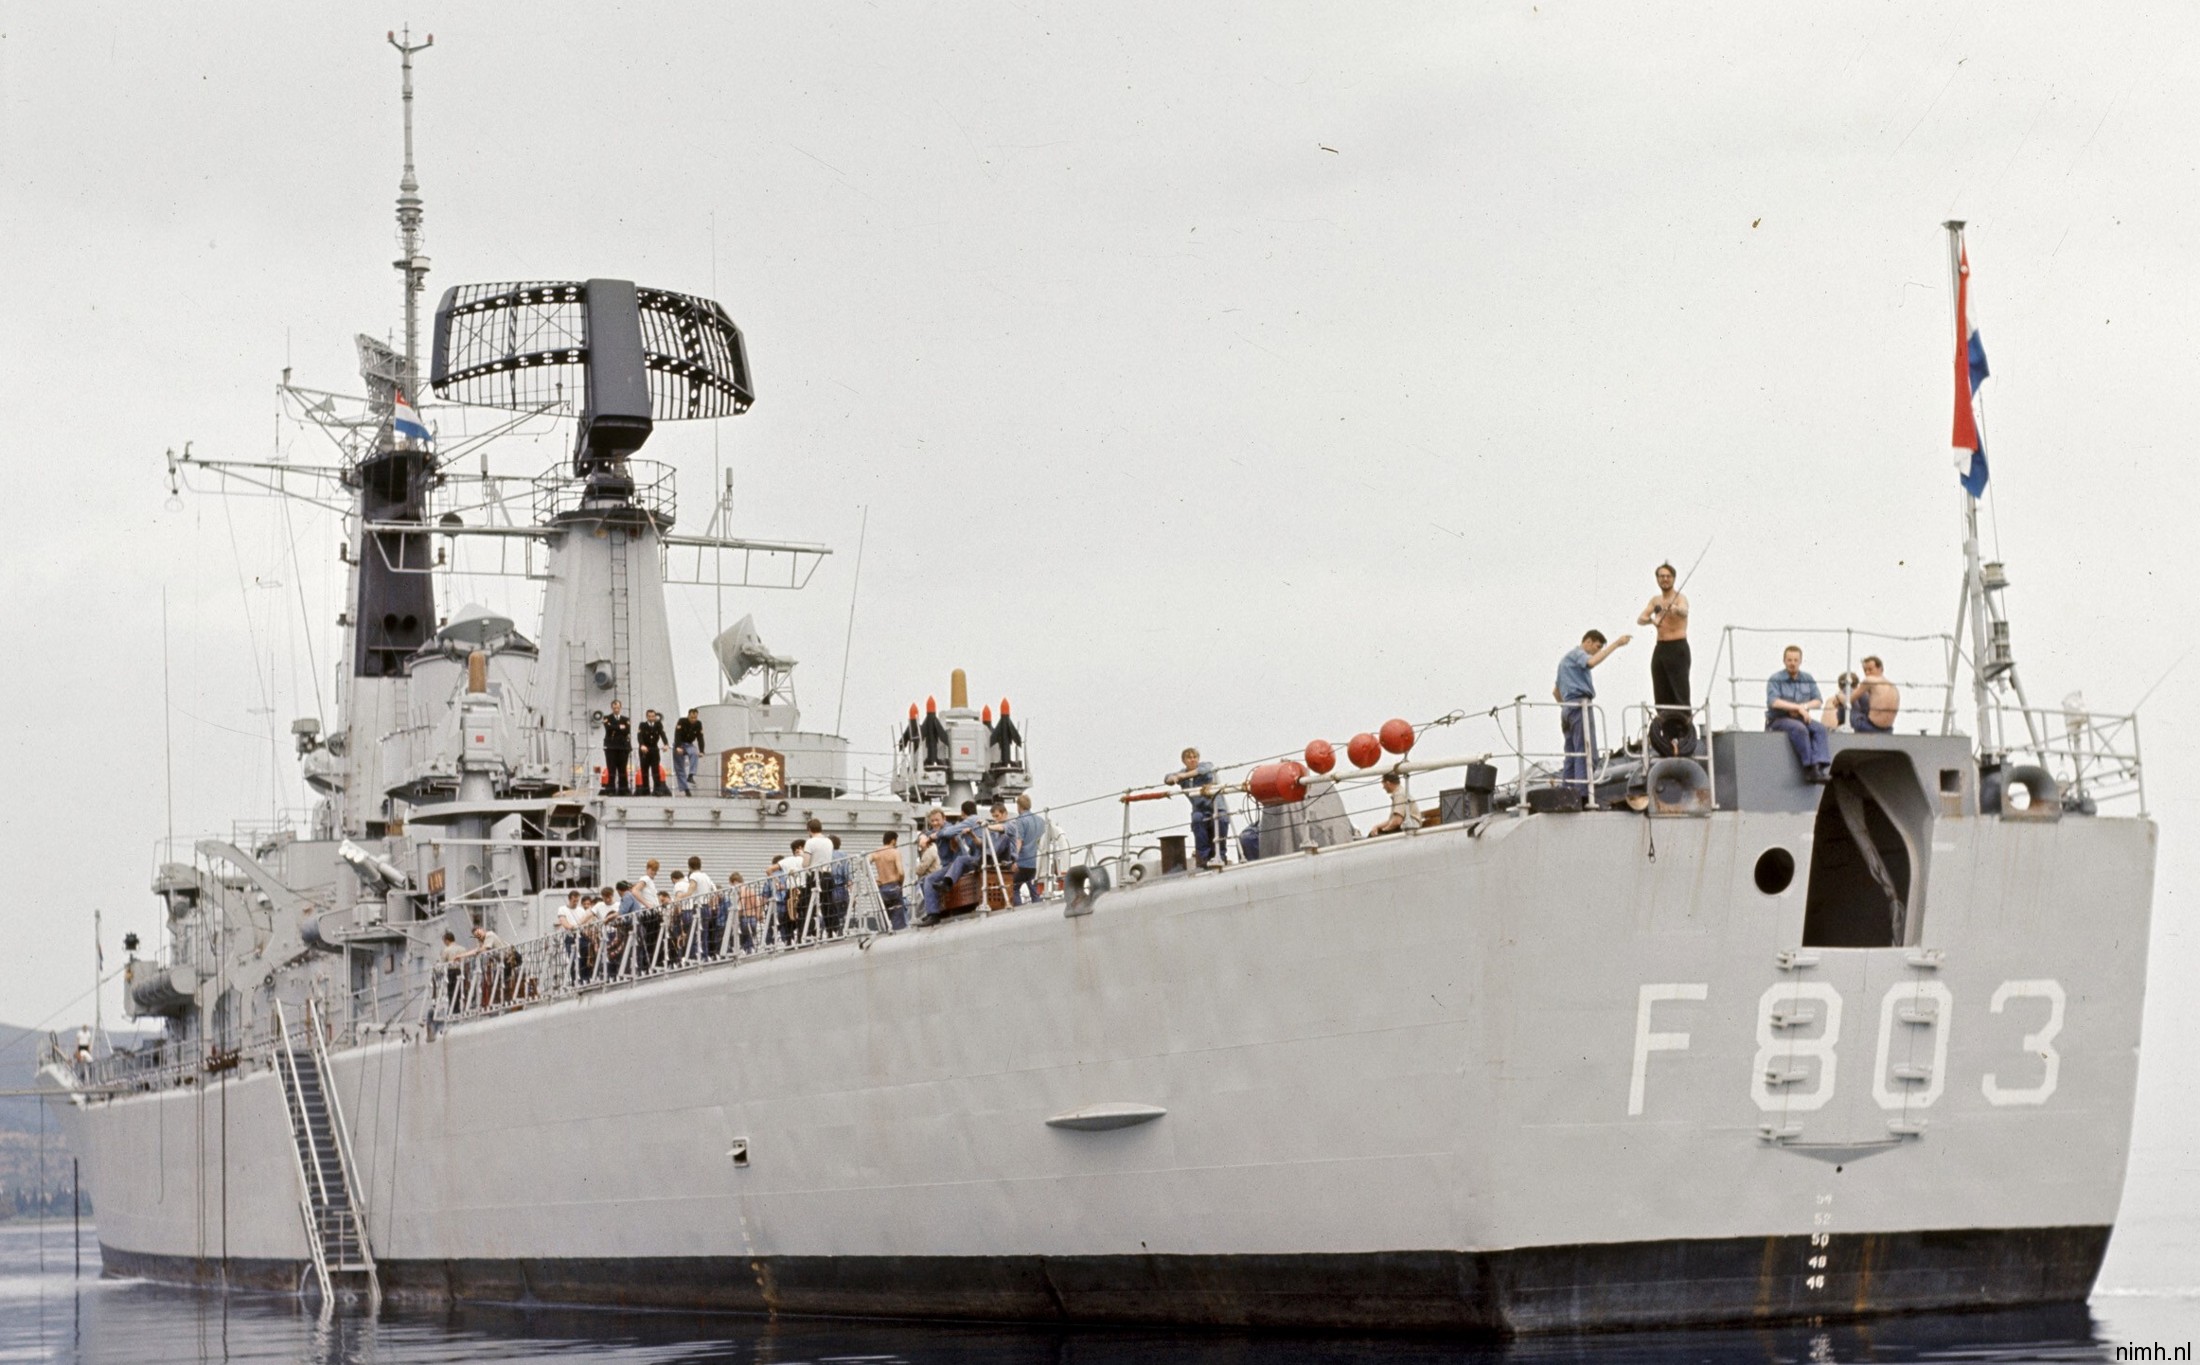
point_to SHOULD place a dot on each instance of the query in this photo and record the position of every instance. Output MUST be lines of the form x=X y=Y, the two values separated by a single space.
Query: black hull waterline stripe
x=1632 y=1284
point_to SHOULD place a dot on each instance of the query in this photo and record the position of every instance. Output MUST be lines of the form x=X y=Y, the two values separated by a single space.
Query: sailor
x=705 y=911
x=957 y=856
x=886 y=869
x=1210 y=818
x=788 y=895
x=499 y=965
x=1574 y=692
x=1031 y=832
x=748 y=906
x=650 y=777
x=570 y=919
x=1872 y=702
x=646 y=889
x=1403 y=813
x=1005 y=843
x=687 y=749
x=1792 y=702
x=1669 y=658
x=618 y=747
x=83 y=1043
x=454 y=958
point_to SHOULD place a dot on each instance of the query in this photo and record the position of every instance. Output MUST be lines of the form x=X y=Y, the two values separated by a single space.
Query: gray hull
x=1557 y=1071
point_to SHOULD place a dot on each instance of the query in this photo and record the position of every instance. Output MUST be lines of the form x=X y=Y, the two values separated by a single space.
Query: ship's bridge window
x=1866 y=854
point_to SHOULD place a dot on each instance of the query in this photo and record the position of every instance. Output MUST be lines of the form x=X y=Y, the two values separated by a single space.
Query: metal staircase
x=336 y=1234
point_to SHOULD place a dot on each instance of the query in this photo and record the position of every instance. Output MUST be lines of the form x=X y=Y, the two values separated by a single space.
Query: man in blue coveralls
x=1575 y=692
x=1791 y=705
x=1210 y=818
x=958 y=854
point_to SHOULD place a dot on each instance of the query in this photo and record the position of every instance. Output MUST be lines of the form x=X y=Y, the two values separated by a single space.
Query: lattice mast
x=412 y=266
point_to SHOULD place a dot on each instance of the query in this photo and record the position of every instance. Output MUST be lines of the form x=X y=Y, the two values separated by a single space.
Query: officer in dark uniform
x=650 y=780
x=618 y=746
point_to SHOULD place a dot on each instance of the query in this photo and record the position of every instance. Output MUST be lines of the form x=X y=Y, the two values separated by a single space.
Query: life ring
x=1679 y=786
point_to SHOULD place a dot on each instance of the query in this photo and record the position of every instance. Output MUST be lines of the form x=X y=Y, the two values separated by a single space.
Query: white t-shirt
x=1401 y=805
x=700 y=885
x=819 y=850
x=645 y=890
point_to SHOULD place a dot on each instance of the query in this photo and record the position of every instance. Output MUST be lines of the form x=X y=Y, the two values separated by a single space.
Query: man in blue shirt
x=1791 y=705
x=958 y=854
x=1210 y=818
x=1031 y=831
x=1575 y=692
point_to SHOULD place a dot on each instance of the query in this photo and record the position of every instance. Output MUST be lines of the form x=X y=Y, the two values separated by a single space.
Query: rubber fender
x=2040 y=785
x=1679 y=786
x=1672 y=734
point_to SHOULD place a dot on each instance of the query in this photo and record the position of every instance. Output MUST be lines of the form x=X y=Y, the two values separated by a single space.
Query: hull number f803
x=1796 y=1066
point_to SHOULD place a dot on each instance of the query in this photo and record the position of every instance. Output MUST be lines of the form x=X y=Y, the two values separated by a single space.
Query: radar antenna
x=641 y=356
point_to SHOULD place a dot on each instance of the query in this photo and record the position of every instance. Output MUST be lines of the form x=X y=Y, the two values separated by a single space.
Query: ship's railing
x=2094 y=758
x=1751 y=656
x=656 y=491
x=163 y=1062
x=778 y=913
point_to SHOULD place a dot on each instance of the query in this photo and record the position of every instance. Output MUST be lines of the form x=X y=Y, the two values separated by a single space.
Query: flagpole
x=1974 y=576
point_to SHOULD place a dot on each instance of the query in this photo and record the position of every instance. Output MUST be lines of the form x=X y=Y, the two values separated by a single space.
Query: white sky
x=1226 y=376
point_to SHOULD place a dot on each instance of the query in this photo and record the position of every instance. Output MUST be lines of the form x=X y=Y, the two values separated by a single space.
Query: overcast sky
x=1227 y=376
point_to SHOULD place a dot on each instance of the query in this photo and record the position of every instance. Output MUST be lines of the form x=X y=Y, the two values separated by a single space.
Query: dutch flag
x=406 y=424
x=1970 y=372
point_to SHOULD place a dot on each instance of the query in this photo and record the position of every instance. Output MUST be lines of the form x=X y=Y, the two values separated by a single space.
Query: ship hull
x=1555 y=1072
x=1539 y=1289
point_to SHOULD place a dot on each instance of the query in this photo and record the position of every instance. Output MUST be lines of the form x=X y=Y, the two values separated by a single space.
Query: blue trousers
x=1808 y=737
x=936 y=885
x=1210 y=828
x=1025 y=887
x=1579 y=725
x=684 y=760
x=897 y=914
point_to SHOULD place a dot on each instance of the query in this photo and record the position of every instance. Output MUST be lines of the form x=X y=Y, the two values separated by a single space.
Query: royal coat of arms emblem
x=752 y=770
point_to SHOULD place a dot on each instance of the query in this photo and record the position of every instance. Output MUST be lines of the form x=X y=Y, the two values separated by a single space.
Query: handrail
x=344 y=1160
x=286 y=1062
x=623 y=948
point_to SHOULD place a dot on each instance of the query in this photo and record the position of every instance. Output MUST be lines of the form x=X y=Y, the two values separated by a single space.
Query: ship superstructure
x=1695 y=1038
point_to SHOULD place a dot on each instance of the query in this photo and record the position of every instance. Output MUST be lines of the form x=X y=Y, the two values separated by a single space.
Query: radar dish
x=741 y=651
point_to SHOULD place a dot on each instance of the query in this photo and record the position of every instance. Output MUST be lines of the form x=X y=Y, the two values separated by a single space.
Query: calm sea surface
x=49 y=1313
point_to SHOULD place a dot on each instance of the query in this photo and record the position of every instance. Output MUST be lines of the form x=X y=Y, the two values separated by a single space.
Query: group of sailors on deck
x=639 y=925
x=1794 y=705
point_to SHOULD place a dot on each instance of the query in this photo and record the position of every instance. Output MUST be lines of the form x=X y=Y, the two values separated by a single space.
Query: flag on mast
x=406 y=423
x=1969 y=446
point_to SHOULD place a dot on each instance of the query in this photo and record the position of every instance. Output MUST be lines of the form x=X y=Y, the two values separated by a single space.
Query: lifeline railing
x=782 y=912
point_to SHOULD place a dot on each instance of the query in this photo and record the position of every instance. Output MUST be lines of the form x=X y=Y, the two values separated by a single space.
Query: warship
x=1692 y=1038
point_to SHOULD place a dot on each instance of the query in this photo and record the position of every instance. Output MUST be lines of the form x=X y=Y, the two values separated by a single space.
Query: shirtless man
x=1874 y=702
x=1669 y=661
x=886 y=868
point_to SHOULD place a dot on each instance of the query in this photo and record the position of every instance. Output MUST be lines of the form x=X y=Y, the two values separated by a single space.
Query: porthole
x=1775 y=870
